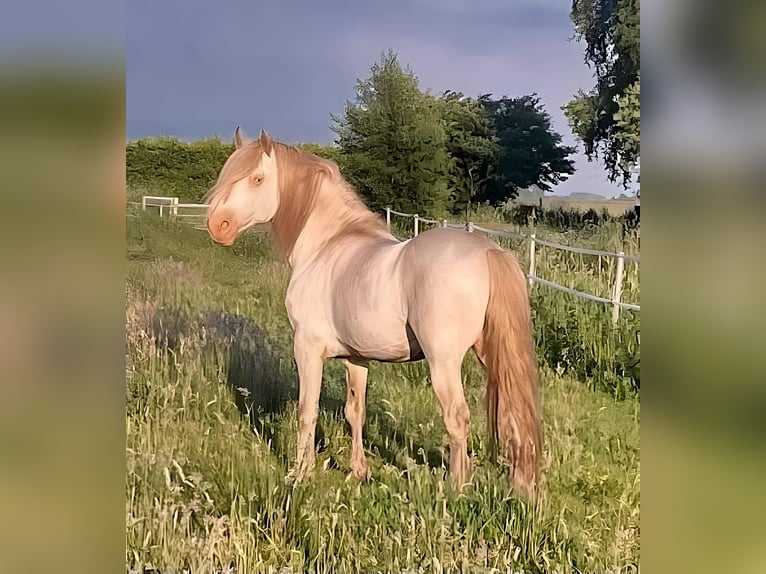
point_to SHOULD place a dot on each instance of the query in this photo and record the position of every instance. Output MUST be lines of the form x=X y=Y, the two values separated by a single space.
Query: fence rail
x=516 y=235
x=169 y=206
x=621 y=257
x=586 y=251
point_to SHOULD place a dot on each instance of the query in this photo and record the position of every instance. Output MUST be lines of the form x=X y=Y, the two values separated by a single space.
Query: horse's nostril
x=224 y=225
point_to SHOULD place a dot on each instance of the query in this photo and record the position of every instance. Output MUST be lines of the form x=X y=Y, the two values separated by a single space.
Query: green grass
x=211 y=433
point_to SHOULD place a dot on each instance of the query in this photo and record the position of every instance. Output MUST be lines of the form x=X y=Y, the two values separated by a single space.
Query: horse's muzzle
x=222 y=230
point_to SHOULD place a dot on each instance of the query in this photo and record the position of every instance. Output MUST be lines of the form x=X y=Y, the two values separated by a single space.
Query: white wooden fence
x=170 y=206
x=621 y=257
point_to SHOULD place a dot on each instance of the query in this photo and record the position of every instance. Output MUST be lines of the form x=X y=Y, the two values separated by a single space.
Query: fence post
x=617 y=291
x=415 y=217
x=532 y=260
x=444 y=223
x=174 y=206
x=160 y=209
x=388 y=218
x=143 y=203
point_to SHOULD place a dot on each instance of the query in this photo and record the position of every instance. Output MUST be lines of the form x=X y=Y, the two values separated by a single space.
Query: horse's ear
x=239 y=138
x=266 y=143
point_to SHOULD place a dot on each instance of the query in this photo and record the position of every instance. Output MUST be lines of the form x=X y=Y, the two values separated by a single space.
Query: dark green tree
x=394 y=142
x=607 y=118
x=472 y=146
x=531 y=153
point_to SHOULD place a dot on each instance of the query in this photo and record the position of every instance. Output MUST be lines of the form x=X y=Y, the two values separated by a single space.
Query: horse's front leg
x=309 y=360
x=356 y=380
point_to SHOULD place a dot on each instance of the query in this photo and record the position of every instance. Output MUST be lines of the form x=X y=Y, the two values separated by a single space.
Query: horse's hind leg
x=448 y=386
x=356 y=380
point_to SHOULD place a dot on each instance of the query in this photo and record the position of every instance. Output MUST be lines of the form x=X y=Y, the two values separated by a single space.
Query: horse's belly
x=379 y=340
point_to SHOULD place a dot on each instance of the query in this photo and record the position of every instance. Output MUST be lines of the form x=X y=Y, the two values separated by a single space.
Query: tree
x=472 y=146
x=607 y=119
x=627 y=121
x=530 y=152
x=394 y=142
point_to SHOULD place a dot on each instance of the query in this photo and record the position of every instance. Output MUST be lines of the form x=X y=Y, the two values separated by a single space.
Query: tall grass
x=211 y=433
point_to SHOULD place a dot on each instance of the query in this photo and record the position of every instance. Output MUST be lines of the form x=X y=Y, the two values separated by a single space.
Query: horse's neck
x=332 y=212
x=306 y=247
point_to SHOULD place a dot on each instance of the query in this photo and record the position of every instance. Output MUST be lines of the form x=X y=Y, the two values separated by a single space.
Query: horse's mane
x=301 y=178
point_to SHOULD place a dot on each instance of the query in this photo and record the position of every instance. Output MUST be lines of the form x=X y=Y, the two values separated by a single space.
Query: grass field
x=211 y=433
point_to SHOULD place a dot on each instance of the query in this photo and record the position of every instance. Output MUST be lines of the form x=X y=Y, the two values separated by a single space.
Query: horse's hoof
x=361 y=473
x=459 y=481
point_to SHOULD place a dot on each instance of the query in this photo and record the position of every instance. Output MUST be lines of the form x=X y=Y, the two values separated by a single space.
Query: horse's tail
x=513 y=404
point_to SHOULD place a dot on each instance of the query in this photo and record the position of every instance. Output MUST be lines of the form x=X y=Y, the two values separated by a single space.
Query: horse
x=358 y=294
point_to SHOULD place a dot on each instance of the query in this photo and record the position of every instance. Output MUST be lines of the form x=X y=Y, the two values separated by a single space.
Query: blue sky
x=199 y=68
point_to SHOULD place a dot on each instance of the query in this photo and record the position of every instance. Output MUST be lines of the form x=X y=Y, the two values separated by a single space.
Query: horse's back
x=451 y=255
x=446 y=245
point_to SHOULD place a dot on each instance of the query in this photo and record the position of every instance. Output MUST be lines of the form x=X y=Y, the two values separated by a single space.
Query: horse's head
x=246 y=192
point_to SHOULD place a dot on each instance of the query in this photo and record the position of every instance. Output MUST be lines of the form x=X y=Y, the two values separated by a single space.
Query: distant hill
x=585 y=196
x=581 y=200
x=533 y=193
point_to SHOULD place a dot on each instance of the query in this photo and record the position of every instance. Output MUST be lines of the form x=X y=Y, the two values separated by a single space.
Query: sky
x=196 y=68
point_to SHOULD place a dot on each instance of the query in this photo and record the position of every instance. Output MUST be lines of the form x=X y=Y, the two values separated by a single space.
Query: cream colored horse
x=358 y=294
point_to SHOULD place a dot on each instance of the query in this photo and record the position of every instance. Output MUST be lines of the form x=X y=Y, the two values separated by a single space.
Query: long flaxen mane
x=307 y=184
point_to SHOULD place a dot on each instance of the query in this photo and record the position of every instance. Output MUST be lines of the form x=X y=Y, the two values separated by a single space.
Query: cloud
x=196 y=69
